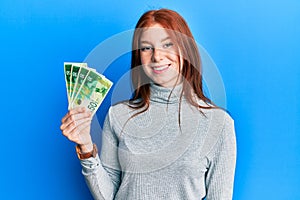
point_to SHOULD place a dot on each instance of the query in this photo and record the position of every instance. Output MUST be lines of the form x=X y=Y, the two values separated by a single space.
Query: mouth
x=160 y=68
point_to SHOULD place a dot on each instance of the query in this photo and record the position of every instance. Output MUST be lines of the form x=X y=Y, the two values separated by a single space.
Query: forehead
x=153 y=33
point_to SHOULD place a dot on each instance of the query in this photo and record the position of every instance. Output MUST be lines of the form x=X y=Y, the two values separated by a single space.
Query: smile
x=160 y=69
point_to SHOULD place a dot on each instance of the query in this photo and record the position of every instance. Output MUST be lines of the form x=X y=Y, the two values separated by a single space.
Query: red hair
x=191 y=71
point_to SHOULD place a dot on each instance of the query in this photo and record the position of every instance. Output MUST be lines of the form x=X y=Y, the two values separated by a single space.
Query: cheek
x=172 y=56
x=174 y=59
x=145 y=59
x=147 y=71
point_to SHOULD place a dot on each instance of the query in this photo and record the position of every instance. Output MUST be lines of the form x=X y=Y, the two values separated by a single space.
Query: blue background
x=255 y=45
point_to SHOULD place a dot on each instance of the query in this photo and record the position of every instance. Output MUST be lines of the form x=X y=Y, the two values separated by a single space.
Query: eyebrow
x=167 y=38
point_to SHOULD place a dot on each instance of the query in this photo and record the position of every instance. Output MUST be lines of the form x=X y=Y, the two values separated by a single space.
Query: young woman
x=169 y=141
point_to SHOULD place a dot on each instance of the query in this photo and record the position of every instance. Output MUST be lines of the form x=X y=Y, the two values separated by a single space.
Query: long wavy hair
x=189 y=56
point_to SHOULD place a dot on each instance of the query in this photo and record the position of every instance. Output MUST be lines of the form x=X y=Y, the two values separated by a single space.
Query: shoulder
x=118 y=109
x=220 y=120
x=120 y=106
x=125 y=108
x=221 y=129
x=218 y=116
x=119 y=113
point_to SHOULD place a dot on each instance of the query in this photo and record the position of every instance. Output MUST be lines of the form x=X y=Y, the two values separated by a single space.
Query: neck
x=164 y=94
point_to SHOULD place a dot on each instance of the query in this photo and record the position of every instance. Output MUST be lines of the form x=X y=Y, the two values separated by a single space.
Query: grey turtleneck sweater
x=151 y=157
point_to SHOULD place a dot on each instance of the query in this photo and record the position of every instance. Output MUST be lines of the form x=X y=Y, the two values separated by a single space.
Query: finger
x=72 y=112
x=76 y=134
x=75 y=118
x=67 y=128
x=77 y=123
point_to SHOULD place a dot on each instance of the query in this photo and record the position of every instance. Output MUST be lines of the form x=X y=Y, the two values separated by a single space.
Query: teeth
x=161 y=68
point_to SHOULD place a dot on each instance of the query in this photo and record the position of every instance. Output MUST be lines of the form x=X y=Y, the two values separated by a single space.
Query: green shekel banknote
x=67 y=70
x=69 y=78
x=73 y=78
x=89 y=88
x=83 y=71
x=74 y=73
x=80 y=78
x=92 y=92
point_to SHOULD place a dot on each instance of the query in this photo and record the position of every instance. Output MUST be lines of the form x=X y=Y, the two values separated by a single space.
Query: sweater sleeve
x=222 y=161
x=103 y=174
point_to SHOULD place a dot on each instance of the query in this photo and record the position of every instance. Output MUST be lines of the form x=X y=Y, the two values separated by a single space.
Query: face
x=159 y=56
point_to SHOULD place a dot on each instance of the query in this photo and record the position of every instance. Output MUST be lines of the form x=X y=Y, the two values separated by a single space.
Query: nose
x=157 y=54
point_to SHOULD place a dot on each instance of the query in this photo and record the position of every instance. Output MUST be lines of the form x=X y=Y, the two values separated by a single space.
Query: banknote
x=74 y=73
x=67 y=70
x=92 y=92
x=83 y=71
x=68 y=67
x=89 y=88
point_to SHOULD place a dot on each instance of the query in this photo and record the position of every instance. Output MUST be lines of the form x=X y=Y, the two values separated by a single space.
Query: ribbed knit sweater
x=151 y=157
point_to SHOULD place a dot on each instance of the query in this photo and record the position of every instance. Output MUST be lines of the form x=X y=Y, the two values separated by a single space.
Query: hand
x=76 y=126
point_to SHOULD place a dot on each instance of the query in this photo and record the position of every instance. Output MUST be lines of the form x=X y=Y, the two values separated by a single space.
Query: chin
x=165 y=83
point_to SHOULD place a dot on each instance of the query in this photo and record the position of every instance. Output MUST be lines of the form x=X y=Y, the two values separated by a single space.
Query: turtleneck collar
x=162 y=95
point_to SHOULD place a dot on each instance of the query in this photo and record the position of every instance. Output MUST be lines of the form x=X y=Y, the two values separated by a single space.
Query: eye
x=146 y=48
x=168 y=45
